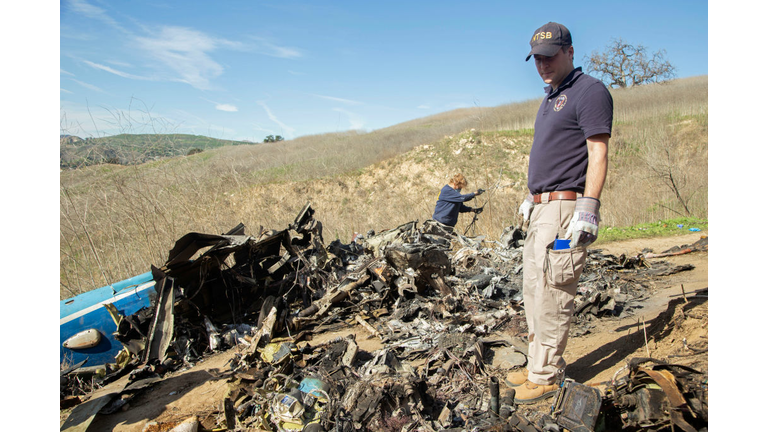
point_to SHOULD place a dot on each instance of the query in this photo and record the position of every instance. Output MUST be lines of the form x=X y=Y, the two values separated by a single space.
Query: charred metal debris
x=435 y=300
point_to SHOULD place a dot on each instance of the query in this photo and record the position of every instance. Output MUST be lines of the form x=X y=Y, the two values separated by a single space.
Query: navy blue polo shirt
x=580 y=108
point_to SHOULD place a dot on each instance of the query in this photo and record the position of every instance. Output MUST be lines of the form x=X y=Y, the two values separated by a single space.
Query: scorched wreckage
x=434 y=299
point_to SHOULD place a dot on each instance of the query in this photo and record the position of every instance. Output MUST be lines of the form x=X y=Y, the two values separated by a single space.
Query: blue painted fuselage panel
x=87 y=310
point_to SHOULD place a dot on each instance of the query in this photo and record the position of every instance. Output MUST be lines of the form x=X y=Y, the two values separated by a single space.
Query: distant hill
x=131 y=149
x=117 y=221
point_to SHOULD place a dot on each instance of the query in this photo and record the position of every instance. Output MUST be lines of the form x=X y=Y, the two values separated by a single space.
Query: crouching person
x=451 y=202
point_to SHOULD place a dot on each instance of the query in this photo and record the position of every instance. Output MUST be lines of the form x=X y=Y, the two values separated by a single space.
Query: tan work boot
x=517 y=377
x=532 y=392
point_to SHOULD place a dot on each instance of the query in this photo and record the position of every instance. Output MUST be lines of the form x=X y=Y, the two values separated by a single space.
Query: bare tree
x=625 y=65
x=669 y=168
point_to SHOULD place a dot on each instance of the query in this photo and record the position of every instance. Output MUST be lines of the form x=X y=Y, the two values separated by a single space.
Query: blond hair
x=459 y=181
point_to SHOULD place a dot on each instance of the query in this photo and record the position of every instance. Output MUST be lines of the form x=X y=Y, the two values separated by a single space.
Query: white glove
x=526 y=208
x=583 y=227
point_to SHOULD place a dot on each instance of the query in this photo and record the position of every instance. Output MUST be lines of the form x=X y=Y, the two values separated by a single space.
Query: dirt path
x=593 y=357
x=598 y=355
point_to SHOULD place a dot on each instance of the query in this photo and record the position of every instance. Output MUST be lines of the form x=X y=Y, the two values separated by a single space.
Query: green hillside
x=131 y=149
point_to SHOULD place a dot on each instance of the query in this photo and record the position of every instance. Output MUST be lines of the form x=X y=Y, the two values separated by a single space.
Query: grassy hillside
x=129 y=149
x=117 y=220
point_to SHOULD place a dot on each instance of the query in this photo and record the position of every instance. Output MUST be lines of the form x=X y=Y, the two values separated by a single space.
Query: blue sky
x=245 y=69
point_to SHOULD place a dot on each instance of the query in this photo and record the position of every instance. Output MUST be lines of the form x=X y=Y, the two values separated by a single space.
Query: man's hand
x=582 y=230
x=479 y=191
x=526 y=208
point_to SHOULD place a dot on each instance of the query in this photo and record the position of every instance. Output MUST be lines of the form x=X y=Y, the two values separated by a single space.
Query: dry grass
x=116 y=221
x=659 y=127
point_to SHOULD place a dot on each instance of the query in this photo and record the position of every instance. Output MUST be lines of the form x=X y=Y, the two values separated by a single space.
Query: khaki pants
x=550 y=279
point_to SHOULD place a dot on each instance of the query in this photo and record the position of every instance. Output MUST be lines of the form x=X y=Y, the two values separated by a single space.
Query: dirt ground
x=620 y=339
x=679 y=331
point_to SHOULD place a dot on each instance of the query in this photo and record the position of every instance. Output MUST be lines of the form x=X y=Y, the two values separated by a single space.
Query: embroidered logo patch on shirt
x=560 y=102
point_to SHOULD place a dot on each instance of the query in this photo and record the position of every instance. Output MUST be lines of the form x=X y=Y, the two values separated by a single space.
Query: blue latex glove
x=582 y=230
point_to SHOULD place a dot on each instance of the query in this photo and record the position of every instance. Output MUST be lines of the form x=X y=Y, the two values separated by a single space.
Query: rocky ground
x=677 y=334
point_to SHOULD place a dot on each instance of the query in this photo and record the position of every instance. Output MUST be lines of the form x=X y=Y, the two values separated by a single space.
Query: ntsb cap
x=548 y=39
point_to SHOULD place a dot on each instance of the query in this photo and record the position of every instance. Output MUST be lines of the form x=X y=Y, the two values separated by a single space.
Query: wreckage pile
x=432 y=297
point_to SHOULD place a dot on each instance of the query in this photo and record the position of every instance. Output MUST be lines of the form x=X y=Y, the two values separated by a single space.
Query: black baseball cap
x=548 y=39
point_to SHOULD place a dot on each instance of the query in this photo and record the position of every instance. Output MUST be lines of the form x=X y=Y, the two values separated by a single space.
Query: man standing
x=450 y=202
x=566 y=172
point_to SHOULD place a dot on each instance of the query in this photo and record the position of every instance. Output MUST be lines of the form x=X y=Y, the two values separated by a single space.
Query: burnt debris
x=434 y=299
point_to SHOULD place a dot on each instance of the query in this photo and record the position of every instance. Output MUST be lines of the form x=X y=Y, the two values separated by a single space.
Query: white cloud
x=88 y=86
x=268 y=48
x=287 y=131
x=355 y=121
x=64 y=90
x=423 y=106
x=116 y=72
x=222 y=106
x=118 y=63
x=226 y=107
x=185 y=51
x=335 y=99
x=65 y=72
x=91 y=11
x=296 y=73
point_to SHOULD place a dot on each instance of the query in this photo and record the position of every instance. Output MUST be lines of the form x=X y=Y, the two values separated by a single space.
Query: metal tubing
x=494 y=395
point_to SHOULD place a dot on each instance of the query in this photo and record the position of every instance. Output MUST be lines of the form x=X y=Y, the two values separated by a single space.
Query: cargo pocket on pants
x=563 y=267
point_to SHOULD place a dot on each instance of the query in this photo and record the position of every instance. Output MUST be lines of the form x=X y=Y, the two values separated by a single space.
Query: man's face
x=553 y=70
